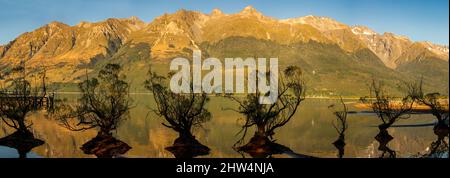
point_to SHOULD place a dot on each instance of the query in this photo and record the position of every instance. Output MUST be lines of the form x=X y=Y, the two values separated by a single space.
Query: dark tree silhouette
x=16 y=102
x=268 y=117
x=104 y=105
x=182 y=113
x=22 y=142
x=341 y=125
x=438 y=106
x=389 y=110
x=42 y=75
x=437 y=149
x=19 y=99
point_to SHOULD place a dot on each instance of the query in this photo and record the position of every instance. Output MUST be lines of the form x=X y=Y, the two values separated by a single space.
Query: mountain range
x=336 y=58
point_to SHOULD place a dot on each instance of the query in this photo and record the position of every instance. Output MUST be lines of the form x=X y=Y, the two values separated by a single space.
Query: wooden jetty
x=36 y=102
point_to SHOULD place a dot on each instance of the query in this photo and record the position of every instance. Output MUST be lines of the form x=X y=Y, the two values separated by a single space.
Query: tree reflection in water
x=105 y=146
x=22 y=141
x=341 y=126
x=440 y=147
x=263 y=147
x=439 y=109
x=383 y=138
x=187 y=148
x=389 y=110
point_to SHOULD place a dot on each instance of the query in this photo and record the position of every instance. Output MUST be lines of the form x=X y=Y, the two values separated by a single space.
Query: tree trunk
x=385 y=126
x=186 y=135
x=22 y=126
x=105 y=132
x=261 y=131
x=441 y=129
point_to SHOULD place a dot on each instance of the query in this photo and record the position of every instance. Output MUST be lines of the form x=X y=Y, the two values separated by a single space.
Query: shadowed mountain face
x=337 y=57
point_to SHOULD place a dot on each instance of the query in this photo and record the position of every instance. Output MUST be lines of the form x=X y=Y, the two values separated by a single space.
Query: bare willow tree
x=18 y=100
x=389 y=110
x=182 y=112
x=435 y=102
x=438 y=107
x=104 y=104
x=341 y=125
x=268 y=117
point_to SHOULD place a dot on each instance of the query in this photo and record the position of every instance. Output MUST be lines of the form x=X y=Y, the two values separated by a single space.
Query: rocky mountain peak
x=440 y=50
x=83 y=24
x=170 y=35
x=397 y=37
x=250 y=11
x=320 y=23
x=56 y=24
x=216 y=12
x=135 y=19
x=363 y=30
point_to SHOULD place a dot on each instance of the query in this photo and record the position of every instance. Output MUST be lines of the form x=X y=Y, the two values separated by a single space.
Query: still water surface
x=310 y=132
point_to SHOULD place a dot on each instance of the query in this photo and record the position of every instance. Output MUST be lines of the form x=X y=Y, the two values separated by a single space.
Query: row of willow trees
x=390 y=109
x=105 y=103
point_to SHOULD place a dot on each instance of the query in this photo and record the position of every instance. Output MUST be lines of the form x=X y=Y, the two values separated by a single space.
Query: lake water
x=310 y=132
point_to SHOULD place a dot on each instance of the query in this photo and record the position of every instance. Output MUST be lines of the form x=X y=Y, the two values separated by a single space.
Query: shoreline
x=213 y=95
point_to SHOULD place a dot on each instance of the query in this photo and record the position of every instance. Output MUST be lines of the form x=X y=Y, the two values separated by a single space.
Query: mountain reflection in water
x=310 y=132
